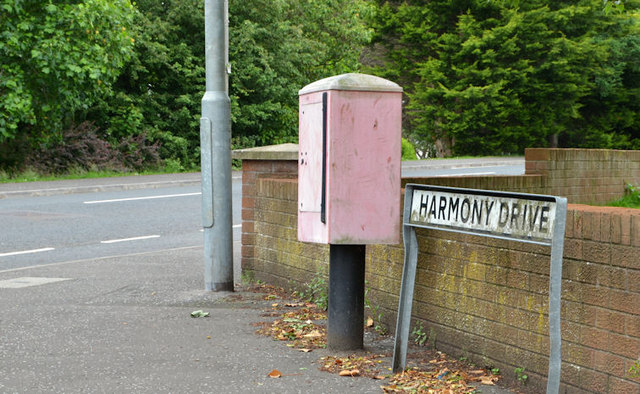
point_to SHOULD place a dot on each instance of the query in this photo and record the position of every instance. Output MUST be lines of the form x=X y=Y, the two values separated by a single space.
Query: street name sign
x=501 y=215
x=531 y=218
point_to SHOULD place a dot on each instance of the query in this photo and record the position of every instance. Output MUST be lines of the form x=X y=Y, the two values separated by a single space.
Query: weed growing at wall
x=631 y=198
x=634 y=371
x=419 y=335
x=316 y=291
x=376 y=313
x=247 y=277
x=520 y=375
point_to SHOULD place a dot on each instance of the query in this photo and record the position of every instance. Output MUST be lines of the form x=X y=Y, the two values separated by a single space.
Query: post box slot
x=323 y=197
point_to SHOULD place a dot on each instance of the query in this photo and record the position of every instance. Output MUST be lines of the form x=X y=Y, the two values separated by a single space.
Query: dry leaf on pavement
x=347 y=372
x=313 y=334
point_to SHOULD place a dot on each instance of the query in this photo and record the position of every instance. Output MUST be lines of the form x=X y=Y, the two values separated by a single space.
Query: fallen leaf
x=275 y=374
x=275 y=305
x=313 y=334
x=488 y=380
x=379 y=377
x=199 y=313
x=347 y=372
x=305 y=350
x=294 y=304
x=369 y=322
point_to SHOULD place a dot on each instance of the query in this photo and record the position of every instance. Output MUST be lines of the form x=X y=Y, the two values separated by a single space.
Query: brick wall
x=487 y=299
x=483 y=298
x=279 y=258
x=584 y=176
x=252 y=170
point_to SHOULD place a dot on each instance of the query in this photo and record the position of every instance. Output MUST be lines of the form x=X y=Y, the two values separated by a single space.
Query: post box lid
x=352 y=81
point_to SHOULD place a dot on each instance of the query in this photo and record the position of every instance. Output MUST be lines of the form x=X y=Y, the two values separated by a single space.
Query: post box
x=349 y=161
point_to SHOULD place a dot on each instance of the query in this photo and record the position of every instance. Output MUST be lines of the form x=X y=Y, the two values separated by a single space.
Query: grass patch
x=631 y=198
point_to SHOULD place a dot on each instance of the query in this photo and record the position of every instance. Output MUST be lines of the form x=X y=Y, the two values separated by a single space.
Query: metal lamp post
x=215 y=149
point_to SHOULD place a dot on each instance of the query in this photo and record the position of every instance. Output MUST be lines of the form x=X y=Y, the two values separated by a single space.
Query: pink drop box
x=350 y=160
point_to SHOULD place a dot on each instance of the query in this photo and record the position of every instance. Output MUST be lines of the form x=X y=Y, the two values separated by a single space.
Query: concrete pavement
x=123 y=324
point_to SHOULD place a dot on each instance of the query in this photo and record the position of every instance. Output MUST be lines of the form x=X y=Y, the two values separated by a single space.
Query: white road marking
x=94 y=259
x=113 y=241
x=26 y=252
x=467 y=174
x=28 y=281
x=142 y=198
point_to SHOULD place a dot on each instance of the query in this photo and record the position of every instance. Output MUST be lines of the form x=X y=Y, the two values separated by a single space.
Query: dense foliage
x=279 y=46
x=494 y=77
x=123 y=81
x=57 y=59
x=159 y=91
x=137 y=73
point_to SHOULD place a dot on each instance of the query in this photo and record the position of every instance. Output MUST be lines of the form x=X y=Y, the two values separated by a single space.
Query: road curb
x=95 y=188
x=53 y=188
x=440 y=164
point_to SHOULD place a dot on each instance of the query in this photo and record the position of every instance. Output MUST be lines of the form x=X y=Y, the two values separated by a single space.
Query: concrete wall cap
x=352 y=81
x=269 y=152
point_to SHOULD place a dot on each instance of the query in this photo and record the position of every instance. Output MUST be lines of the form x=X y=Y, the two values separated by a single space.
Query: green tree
x=276 y=48
x=159 y=91
x=493 y=77
x=58 y=57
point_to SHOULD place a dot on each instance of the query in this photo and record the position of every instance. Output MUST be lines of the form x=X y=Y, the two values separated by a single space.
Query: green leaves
x=494 y=77
x=140 y=69
x=61 y=58
x=278 y=47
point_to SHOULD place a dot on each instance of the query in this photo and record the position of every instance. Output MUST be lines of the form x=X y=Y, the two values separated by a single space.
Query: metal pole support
x=215 y=149
x=346 y=297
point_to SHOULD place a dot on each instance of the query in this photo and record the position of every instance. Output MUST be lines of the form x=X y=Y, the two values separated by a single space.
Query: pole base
x=226 y=286
x=346 y=297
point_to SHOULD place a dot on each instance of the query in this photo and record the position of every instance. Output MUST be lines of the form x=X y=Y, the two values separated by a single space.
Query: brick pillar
x=274 y=160
x=584 y=176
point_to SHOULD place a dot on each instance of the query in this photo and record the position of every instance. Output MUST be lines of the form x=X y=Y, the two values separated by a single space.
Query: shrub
x=81 y=149
x=408 y=151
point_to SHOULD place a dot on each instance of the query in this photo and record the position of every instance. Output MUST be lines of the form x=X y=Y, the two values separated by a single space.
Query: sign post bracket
x=555 y=223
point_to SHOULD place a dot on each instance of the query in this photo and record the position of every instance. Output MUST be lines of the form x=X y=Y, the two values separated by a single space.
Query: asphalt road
x=55 y=222
x=65 y=227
